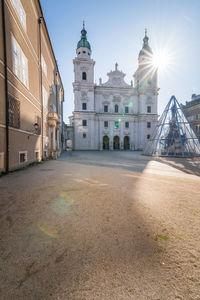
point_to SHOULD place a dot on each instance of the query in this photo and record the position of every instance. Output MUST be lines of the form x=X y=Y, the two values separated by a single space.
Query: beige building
x=192 y=112
x=31 y=90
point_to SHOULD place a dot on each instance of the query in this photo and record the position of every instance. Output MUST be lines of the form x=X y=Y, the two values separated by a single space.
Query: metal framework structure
x=173 y=136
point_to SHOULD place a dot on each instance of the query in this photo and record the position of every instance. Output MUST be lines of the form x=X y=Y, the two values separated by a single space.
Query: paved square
x=101 y=225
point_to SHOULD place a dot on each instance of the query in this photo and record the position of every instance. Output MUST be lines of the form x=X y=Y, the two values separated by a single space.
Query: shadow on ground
x=186 y=165
x=81 y=230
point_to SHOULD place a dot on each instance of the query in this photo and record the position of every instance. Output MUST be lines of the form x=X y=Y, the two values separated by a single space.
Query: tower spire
x=145 y=39
x=83 y=41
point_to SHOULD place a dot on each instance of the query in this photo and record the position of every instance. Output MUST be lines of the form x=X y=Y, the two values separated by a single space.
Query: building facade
x=113 y=115
x=192 y=112
x=68 y=136
x=31 y=90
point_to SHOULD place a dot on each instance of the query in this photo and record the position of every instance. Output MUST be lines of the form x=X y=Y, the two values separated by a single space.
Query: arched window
x=116 y=108
x=84 y=76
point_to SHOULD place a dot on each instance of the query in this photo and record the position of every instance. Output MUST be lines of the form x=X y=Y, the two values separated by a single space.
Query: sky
x=115 y=30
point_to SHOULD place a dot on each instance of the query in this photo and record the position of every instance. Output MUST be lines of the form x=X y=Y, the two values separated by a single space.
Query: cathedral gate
x=126 y=143
x=105 y=142
x=116 y=143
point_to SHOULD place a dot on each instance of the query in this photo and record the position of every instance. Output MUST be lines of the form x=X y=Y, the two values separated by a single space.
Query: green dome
x=83 y=42
x=146 y=49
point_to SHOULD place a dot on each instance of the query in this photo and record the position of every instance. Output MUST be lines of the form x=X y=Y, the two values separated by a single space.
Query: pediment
x=116 y=79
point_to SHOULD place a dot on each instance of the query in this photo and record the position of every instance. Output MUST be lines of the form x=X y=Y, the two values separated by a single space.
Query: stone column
x=111 y=143
x=50 y=146
x=53 y=140
x=58 y=141
x=58 y=144
x=101 y=143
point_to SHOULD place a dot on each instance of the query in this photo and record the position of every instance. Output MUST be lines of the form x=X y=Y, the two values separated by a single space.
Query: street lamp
x=36 y=126
x=35 y=131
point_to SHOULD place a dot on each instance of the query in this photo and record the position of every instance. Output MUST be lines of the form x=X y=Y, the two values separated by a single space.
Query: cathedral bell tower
x=145 y=79
x=84 y=104
x=83 y=74
x=146 y=74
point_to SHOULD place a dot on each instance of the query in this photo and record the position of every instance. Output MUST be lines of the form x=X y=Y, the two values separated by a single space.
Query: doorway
x=126 y=143
x=105 y=142
x=116 y=143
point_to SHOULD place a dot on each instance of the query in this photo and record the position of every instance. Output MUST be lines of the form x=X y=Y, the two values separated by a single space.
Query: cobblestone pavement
x=101 y=225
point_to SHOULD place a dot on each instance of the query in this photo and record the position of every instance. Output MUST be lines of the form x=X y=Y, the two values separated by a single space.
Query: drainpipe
x=6 y=86
x=62 y=136
x=56 y=93
x=40 y=79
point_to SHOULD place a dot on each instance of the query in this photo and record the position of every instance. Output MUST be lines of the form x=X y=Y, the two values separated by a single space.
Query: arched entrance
x=105 y=142
x=126 y=143
x=116 y=143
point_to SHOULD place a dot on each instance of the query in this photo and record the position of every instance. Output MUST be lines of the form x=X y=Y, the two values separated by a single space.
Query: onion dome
x=146 y=49
x=83 y=42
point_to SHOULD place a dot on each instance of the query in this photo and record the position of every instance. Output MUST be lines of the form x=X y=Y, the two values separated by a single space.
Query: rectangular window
x=84 y=106
x=20 y=62
x=13 y=112
x=126 y=109
x=44 y=65
x=127 y=124
x=14 y=3
x=22 y=156
x=16 y=58
x=24 y=69
x=45 y=97
x=105 y=108
x=84 y=122
x=84 y=135
x=22 y=15
x=149 y=109
x=20 y=11
x=105 y=123
x=116 y=124
x=148 y=136
x=148 y=124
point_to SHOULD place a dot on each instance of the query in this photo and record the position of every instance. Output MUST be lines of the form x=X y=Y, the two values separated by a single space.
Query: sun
x=161 y=60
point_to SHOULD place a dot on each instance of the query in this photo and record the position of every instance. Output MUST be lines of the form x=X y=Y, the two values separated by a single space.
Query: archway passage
x=116 y=143
x=126 y=143
x=105 y=142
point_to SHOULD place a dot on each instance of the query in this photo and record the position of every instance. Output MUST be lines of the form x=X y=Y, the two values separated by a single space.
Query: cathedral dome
x=146 y=49
x=83 y=42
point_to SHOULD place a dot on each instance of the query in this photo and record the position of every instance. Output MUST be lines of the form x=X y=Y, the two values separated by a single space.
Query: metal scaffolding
x=173 y=135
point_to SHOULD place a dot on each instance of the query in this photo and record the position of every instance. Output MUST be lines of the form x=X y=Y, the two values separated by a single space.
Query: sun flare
x=161 y=60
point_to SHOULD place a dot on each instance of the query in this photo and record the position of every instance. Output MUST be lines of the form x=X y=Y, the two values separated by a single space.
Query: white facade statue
x=113 y=115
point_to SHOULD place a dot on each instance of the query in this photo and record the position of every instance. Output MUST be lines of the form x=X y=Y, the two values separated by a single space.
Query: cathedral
x=113 y=115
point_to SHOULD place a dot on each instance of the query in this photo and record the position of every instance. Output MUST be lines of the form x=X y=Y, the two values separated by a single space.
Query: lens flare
x=63 y=203
x=161 y=60
x=47 y=231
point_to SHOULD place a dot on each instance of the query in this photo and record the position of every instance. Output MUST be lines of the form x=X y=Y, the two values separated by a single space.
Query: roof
x=83 y=41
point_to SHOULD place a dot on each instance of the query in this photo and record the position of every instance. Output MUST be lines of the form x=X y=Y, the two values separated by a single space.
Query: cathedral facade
x=113 y=115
